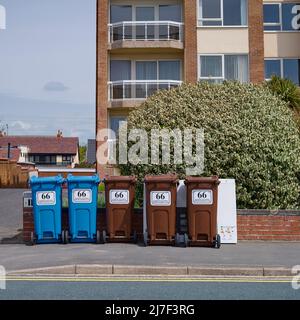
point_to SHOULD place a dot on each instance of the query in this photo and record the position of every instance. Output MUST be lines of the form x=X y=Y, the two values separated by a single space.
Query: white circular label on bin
x=82 y=196
x=119 y=196
x=202 y=197
x=46 y=198
x=160 y=198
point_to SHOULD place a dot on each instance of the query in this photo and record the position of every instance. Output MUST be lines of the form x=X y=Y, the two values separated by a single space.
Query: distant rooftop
x=42 y=144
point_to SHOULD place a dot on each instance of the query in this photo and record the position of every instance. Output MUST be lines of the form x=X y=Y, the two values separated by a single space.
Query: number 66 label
x=160 y=198
x=202 y=197
x=82 y=196
x=46 y=198
x=118 y=196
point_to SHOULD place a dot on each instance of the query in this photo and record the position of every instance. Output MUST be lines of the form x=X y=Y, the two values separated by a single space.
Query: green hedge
x=250 y=135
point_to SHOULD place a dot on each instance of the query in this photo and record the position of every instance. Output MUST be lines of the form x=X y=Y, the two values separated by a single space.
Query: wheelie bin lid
x=94 y=178
x=212 y=180
x=170 y=178
x=43 y=180
x=131 y=179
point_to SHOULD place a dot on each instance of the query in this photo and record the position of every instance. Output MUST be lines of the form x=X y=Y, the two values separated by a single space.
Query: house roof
x=14 y=153
x=43 y=144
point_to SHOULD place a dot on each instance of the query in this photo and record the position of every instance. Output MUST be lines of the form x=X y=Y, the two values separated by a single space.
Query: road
x=139 y=289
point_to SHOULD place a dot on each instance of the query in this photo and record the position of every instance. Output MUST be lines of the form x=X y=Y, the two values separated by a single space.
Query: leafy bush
x=250 y=135
x=287 y=90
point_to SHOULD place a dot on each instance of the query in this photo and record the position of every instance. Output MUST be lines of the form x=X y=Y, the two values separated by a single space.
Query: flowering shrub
x=249 y=135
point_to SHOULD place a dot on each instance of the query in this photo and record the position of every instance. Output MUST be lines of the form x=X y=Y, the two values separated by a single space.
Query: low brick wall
x=251 y=224
x=268 y=225
x=28 y=222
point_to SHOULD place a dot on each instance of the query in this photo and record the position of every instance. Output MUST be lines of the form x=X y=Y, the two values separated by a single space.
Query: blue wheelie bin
x=47 y=204
x=83 y=198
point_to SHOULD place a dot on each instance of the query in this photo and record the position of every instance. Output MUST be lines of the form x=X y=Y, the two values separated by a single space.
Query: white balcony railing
x=145 y=31
x=138 y=89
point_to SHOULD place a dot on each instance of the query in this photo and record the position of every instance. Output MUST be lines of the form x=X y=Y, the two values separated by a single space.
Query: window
x=169 y=70
x=170 y=12
x=217 y=68
x=282 y=17
x=223 y=13
x=120 y=13
x=284 y=68
x=115 y=123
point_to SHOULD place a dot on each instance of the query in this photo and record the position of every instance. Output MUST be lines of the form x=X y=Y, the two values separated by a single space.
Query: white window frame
x=223 y=64
x=199 y=19
x=280 y=24
x=281 y=65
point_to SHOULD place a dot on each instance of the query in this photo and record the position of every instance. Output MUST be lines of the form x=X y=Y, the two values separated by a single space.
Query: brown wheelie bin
x=119 y=195
x=160 y=218
x=202 y=203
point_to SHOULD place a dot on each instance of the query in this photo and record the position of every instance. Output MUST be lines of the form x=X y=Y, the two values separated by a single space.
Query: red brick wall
x=269 y=227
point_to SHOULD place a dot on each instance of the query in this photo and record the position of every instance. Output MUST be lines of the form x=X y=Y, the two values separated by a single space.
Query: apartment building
x=144 y=46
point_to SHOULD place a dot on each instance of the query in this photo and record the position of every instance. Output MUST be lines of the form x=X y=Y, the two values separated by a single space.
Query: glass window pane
x=145 y=14
x=271 y=13
x=169 y=70
x=211 y=23
x=170 y=13
x=236 y=68
x=291 y=70
x=120 y=13
x=235 y=12
x=272 y=28
x=272 y=68
x=211 y=66
x=210 y=8
x=289 y=16
x=146 y=70
x=120 y=70
x=116 y=122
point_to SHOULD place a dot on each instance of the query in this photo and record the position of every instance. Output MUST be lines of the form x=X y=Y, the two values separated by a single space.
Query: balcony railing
x=138 y=89
x=145 y=31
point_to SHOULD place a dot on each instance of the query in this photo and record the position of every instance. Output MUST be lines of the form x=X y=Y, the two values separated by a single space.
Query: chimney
x=59 y=134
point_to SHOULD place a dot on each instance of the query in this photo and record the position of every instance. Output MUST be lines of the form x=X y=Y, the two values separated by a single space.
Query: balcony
x=146 y=34
x=138 y=89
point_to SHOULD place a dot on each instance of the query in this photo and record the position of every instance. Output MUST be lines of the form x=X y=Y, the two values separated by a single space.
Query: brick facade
x=102 y=71
x=256 y=41
x=190 y=41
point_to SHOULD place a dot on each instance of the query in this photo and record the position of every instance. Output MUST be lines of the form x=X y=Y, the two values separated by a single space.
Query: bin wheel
x=177 y=240
x=217 y=243
x=98 y=237
x=66 y=237
x=145 y=238
x=32 y=239
x=186 y=240
x=104 y=236
x=135 y=238
x=63 y=237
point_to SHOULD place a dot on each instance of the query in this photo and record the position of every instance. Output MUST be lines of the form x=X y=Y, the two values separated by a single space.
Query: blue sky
x=47 y=67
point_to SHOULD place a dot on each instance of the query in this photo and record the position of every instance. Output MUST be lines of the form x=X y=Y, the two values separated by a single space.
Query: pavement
x=258 y=256
x=11 y=212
